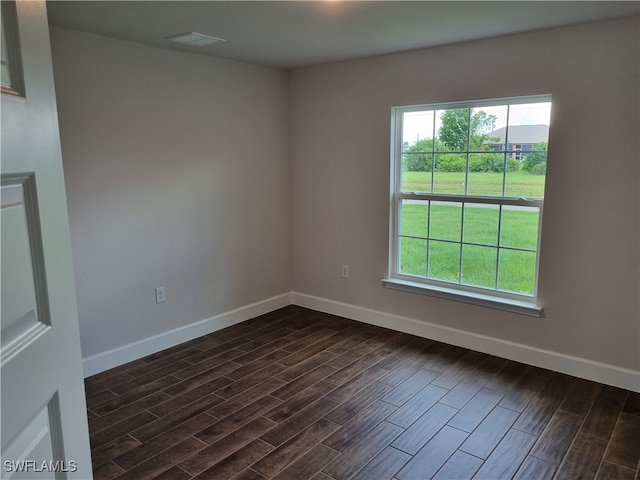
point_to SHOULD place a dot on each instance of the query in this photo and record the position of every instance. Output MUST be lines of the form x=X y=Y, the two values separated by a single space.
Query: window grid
x=428 y=239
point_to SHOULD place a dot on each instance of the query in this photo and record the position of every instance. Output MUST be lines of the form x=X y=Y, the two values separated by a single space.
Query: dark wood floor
x=297 y=394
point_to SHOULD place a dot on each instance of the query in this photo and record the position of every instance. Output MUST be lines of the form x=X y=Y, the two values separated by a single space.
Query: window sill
x=524 y=308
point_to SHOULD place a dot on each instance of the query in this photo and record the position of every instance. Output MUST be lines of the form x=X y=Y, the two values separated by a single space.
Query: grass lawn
x=486 y=251
x=517 y=184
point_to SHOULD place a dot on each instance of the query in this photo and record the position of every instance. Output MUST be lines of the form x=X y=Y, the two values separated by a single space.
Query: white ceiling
x=290 y=34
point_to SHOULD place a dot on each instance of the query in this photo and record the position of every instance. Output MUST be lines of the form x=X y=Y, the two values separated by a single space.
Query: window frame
x=490 y=297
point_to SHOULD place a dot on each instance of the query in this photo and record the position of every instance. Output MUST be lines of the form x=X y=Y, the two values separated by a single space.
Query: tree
x=455 y=131
x=536 y=161
x=418 y=156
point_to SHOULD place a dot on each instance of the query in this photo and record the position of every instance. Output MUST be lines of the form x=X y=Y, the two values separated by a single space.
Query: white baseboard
x=559 y=362
x=121 y=355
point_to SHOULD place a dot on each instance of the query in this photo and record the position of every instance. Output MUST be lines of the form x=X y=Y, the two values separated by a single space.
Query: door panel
x=32 y=451
x=23 y=285
x=43 y=409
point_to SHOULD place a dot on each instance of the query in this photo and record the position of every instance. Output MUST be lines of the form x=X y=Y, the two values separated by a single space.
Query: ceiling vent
x=195 y=39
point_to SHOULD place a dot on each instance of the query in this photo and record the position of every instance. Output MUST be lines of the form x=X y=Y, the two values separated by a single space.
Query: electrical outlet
x=345 y=271
x=161 y=295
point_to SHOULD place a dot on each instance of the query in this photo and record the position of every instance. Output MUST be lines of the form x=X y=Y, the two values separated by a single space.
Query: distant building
x=522 y=139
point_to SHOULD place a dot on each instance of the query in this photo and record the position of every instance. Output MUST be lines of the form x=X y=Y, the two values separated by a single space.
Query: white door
x=43 y=412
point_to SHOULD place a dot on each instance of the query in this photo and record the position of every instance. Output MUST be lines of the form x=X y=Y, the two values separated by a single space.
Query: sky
x=420 y=125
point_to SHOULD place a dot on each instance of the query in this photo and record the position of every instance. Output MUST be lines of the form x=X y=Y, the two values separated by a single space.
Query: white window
x=465 y=215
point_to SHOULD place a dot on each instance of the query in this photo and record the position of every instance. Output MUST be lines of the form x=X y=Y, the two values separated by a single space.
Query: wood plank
x=407 y=389
x=544 y=405
x=309 y=464
x=624 y=447
x=218 y=429
x=464 y=391
x=489 y=433
x=155 y=427
x=119 y=446
x=426 y=462
x=611 y=471
x=583 y=458
x=135 y=394
x=306 y=366
x=581 y=397
x=534 y=468
x=101 y=422
x=164 y=461
x=259 y=364
x=236 y=462
x=525 y=389
x=240 y=386
x=460 y=465
x=359 y=425
x=384 y=466
x=424 y=428
x=106 y=471
x=507 y=456
x=174 y=473
x=207 y=364
x=357 y=352
x=161 y=442
x=557 y=437
x=174 y=403
x=602 y=418
x=417 y=406
x=470 y=416
x=295 y=447
x=219 y=450
x=182 y=386
x=357 y=383
x=632 y=405
x=298 y=402
x=257 y=349
x=303 y=381
x=360 y=453
x=299 y=421
x=233 y=404
x=171 y=369
x=249 y=474
x=362 y=399
x=459 y=370
x=120 y=428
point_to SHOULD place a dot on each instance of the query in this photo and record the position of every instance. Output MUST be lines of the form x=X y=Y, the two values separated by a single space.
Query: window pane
x=417 y=127
x=488 y=128
x=486 y=174
x=444 y=261
x=413 y=218
x=520 y=183
x=416 y=172
x=479 y=265
x=452 y=130
x=449 y=176
x=526 y=176
x=527 y=137
x=517 y=271
x=519 y=227
x=481 y=223
x=413 y=256
x=446 y=221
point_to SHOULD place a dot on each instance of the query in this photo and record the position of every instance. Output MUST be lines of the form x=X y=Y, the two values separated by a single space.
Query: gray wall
x=588 y=286
x=177 y=174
